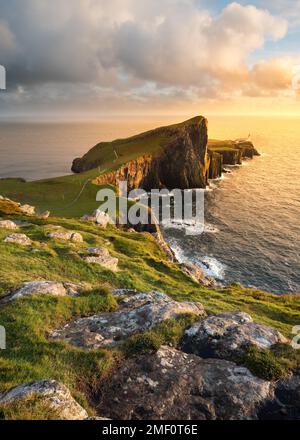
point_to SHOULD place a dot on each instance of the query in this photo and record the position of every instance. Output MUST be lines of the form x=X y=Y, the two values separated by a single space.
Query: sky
x=86 y=58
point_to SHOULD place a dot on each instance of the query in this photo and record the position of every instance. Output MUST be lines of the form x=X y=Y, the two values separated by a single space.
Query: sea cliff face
x=183 y=158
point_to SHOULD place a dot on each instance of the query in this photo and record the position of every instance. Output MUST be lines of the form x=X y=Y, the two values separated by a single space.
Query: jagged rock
x=138 y=313
x=101 y=256
x=43 y=288
x=171 y=385
x=8 y=224
x=194 y=272
x=21 y=239
x=66 y=236
x=53 y=394
x=225 y=335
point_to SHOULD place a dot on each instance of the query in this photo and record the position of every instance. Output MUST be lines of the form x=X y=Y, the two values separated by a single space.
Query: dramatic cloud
x=136 y=50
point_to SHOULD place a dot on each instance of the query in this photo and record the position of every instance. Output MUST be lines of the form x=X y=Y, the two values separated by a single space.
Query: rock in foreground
x=66 y=236
x=171 y=385
x=102 y=257
x=20 y=239
x=137 y=314
x=8 y=224
x=225 y=335
x=42 y=288
x=52 y=394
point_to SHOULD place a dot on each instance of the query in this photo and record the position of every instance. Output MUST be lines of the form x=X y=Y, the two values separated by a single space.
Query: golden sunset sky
x=85 y=58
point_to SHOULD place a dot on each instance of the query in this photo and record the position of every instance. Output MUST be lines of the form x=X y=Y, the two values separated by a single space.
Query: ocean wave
x=212 y=267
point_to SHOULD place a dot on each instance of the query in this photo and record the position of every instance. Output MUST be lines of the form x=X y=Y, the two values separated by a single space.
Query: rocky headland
x=183 y=158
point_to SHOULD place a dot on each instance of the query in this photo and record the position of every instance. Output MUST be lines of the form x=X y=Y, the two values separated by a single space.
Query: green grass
x=273 y=364
x=30 y=355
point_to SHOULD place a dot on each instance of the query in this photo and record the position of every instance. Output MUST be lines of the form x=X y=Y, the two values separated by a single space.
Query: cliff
x=177 y=156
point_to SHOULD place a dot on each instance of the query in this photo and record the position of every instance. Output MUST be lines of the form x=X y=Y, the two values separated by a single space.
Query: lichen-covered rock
x=66 y=236
x=172 y=385
x=137 y=314
x=43 y=288
x=8 y=224
x=21 y=239
x=226 y=335
x=53 y=394
x=101 y=256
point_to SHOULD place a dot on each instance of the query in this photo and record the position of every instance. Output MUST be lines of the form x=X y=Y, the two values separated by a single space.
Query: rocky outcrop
x=66 y=236
x=197 y=274
x=8 y=224
x=137 y=314
x=54 y=395
x=20 y=239
x=222 y=153
x=10 y=207
x=225 y=336
x=215 y=165
x=171 y=385
x=101 y=256
x=43 y=288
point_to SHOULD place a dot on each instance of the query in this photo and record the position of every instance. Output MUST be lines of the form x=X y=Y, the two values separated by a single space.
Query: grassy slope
x=143 y=266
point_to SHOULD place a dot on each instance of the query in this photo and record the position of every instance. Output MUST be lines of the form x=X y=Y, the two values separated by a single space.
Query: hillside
x=30 y=319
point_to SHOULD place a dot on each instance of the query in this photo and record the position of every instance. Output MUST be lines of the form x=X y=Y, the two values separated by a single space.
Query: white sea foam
x=212 y=268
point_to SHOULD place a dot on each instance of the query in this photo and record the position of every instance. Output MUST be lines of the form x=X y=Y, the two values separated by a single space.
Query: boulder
x=54 y=395
x=66 y=236
x=226 y=335
x=21 y=239
x=8 y=224
x=172 y=385
x=101 y=256
x=43 y=288
x=99 y=251
x=137 y=314
x=28 y=210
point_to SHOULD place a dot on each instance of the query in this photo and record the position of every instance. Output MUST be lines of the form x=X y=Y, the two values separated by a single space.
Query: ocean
x=252 y=214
